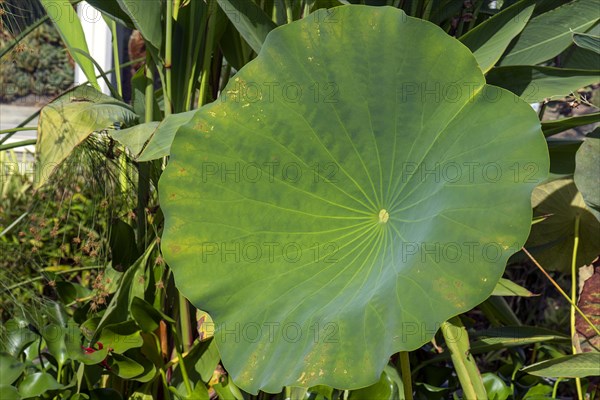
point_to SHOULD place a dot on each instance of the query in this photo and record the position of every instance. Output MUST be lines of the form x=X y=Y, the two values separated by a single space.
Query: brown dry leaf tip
x=159 y=260
x=21 y=234
x=76 y=240
x=43 y=222
x=34 y=250
x=159 y=285
x=52 y=283
x=33 y=230
x=54 y=231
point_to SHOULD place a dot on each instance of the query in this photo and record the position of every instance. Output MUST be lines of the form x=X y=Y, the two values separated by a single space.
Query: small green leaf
x=146 y=316
x=36 y=384
x=534 y=83
x=8 y=392
x=588 y=42
x=571 y=366
x=506 y=287
x=495 y=387
x=152 y=140
x=10 y=369
x=124 y=367
x=548 y=34
x=384 y=389
x=119 y=338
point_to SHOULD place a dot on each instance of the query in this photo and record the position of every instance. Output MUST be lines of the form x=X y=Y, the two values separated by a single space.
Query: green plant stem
x=574 y=300
x=555 y=387
x=457 y=341
x=115 y=48
x=143 y=189
x=208 y=48
x=168 y=57
x=17 y=144
x=191 y=64
x=288 y=11
x=562 y=292
x=185 y=323
x=184 y=374
x=19 y=129
x=406 y=375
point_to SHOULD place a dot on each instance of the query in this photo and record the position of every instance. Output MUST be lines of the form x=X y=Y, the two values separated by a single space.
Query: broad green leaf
x=572 y=366
x=35 y=384
x=308 y=206
x=10 y=369
x=548 y=34
x=489 y=40
x=588 y=42
x=69 y=120
x=249 y=19
x=65 y=19
x=587 y=171
x=551 y=241
x=495 y=387
x=152 y=140
x=534 y=84
x=553 y=127
x=506 y=287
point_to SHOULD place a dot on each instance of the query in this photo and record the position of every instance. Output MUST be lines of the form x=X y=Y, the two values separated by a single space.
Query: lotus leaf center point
x=383 y=216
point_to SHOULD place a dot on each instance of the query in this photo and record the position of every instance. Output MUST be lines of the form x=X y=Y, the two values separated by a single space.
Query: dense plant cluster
x=38 y=66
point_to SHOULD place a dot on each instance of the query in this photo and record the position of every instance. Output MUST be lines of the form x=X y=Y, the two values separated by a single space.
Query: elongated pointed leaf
x=506 y=287
x=146 y=17
x=249 y=20
x=548 y=34
x=553 y=127
x=534 y=83
x=65 y=19
x=489 y=40
x=300 y=216
x=573 y=366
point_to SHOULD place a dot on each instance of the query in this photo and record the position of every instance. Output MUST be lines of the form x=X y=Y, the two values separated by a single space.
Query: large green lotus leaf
x=356 y=184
